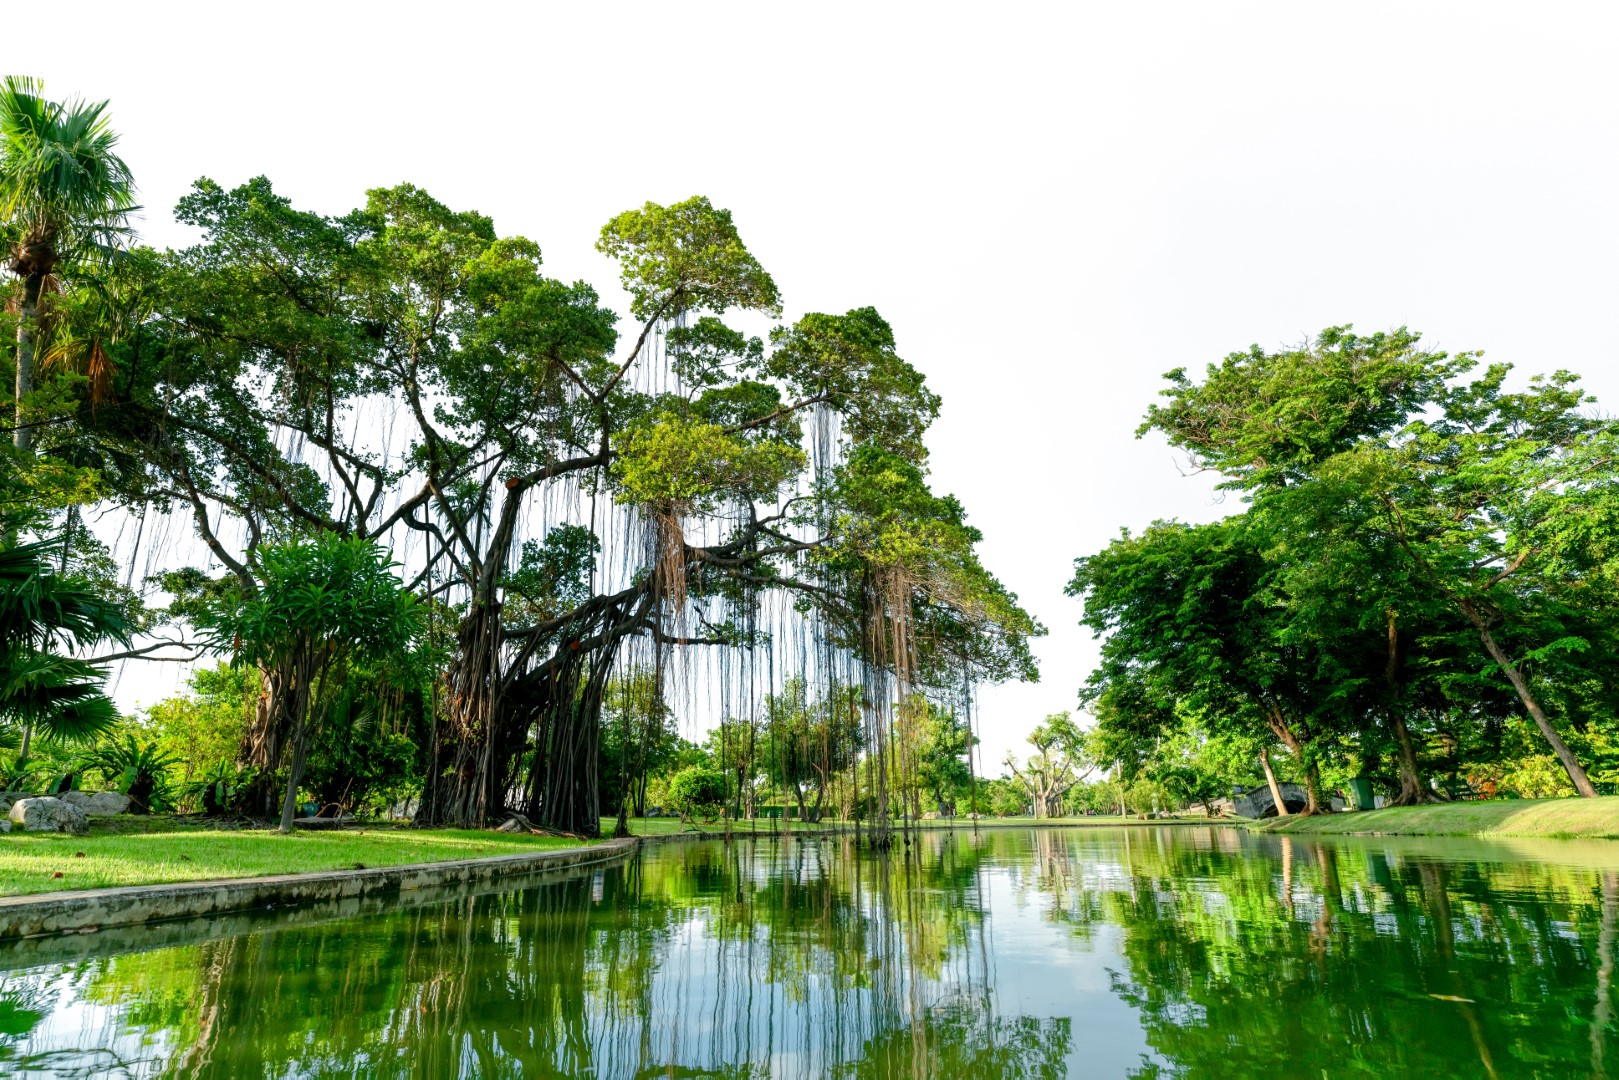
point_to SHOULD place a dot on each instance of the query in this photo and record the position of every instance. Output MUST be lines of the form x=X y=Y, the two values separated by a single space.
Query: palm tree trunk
x=22 y=752
x=22 y=437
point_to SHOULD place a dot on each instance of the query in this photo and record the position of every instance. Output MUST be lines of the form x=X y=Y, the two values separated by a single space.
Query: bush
x=1144 y=796
x=1006 y=799
x=697 y=792
x=1101 y=797
x=208 y=724
x=139 y=770
x=221 y=789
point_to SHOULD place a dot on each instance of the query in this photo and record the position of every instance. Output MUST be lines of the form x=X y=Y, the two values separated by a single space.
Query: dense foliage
x=1417 y=591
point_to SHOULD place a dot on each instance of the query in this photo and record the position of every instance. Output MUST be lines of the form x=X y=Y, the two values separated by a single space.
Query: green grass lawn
x=156 y=850
x=1588 y=818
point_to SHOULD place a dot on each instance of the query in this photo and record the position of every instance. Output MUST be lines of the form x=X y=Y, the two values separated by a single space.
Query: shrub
x=220 y=789
x=139 y=770
x=1006 y=799
x=697 y=792
x=1144 y=796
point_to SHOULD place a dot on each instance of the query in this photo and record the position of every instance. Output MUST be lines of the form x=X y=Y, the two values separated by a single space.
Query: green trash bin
x=1360 y=790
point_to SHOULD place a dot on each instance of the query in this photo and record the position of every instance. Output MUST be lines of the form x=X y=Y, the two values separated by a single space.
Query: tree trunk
x=264 y=744
x=1576 y=771
x=621 y=825
x=22 y=437
x=1297 y=744
x=15 y=779
x=1412 y=789
x=464 y=757
x=572 y=799
x=1312 y=789
x=295 y=775
x=1275 y=788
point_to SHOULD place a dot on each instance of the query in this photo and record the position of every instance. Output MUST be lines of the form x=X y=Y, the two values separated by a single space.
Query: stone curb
x=84 y=911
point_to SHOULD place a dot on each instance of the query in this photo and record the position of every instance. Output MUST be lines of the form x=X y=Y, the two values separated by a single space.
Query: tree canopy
x=1420 y=561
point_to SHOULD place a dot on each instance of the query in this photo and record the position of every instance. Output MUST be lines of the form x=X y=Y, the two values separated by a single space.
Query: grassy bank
x=158 y=851
x=1584 y=818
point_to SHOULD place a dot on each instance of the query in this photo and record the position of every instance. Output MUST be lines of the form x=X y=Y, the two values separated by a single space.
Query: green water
x=1083 y=952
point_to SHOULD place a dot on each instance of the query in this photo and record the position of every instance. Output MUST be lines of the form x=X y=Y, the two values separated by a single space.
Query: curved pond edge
x=87 y=911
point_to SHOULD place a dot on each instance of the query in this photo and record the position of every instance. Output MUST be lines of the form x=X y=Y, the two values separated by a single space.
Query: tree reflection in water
x=1213 y=953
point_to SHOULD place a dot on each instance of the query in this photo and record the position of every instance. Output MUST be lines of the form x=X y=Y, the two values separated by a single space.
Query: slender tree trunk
x=295 y=776
x=1411 y=786
x=1275 y=788
x=305 y=696
x=621 y=826
x=1576 y=771
x=22 y=751
x=23 y=437
x=1297 y=744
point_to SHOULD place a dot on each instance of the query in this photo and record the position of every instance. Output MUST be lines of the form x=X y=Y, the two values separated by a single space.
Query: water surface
x=1146 y=952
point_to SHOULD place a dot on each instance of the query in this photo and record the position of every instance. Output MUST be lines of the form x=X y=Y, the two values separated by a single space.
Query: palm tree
x=40 y=690
x=65 y=199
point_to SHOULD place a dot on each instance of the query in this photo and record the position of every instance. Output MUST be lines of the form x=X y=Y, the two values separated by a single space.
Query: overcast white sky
x=1052 y=204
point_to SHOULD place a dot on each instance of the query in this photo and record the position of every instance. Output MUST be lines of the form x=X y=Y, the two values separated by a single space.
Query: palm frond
x=63 y=188
x=59 y=697
x=38 y=608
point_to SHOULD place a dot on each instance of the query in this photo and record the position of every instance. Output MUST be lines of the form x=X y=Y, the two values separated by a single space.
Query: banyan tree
x=696 y=490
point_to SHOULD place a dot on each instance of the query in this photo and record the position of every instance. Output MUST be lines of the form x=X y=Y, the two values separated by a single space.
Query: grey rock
x=9 y=797
x=45 y=814
x=98 y=803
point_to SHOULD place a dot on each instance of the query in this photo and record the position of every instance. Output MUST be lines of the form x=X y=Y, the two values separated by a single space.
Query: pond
x=1151 y=952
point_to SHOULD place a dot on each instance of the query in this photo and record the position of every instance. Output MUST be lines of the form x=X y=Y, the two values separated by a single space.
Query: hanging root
x=670 y=564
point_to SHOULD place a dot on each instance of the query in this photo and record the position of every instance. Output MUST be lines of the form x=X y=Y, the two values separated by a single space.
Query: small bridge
x=1259 y=803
